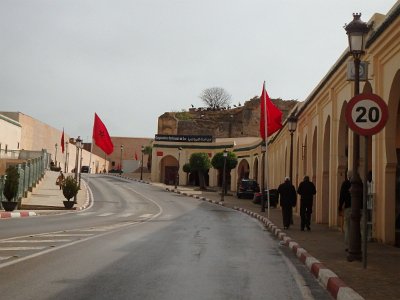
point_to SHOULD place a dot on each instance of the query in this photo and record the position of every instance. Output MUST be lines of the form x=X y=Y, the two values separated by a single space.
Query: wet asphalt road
x=139 y=242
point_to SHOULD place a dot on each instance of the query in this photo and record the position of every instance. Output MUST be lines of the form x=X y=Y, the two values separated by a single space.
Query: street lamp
x=120 y=160
x=78 y=142
x=356 y=31
x=177 y=172
x=225 y=154
x=80 y=166
x=66 y=158
x=141 y=163
x=292 y=124
x=55 y=156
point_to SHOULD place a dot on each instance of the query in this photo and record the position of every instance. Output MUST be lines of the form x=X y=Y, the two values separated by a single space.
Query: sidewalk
x=47 y=198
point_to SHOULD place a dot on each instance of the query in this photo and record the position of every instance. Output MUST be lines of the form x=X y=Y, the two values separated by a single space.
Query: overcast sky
x=132 y=60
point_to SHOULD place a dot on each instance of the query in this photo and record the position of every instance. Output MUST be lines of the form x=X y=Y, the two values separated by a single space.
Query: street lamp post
x=225 y=154
x=141 y=165
x=66 y=158
x=55 y=156
x=177 y=172
x=80 y=166
x=292 y=124
x=78 y=142
x=120 y=160
x=356 y=31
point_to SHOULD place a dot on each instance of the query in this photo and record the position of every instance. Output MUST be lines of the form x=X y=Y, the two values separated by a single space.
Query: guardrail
x=30 y=173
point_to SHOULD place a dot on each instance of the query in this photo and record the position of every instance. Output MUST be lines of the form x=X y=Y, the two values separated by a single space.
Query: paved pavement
x=47 y=198
x=321 y=249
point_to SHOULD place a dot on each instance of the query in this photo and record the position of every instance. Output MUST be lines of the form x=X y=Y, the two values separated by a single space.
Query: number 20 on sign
x=366 y=114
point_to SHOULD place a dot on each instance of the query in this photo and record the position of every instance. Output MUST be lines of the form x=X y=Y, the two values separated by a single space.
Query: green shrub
x=11 y=184
x=70 y=188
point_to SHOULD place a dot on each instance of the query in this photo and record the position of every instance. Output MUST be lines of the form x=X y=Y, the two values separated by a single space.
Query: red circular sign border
x=382 y=105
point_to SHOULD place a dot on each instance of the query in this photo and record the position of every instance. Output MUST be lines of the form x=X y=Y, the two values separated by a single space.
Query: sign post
x=366 y=114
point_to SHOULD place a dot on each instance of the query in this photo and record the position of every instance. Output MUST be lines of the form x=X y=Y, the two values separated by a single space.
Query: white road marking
x=85 y=213
x=21 y=248
x=146 y=216
x=34 y=241
x=67 y=234
x=5 y=257
x=301 y=283
x=105 y=214
x=126 y=215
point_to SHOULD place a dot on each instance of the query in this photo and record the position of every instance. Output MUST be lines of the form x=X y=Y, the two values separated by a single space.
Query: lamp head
x=356 y=31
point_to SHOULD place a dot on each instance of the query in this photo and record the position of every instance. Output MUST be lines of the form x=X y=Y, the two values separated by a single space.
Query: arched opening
x=314 y=157
x=255 y=169
x=168 y=169
x=390 y=213
x=325 y=172
x=243 y=170
x=343 y=153
x=304 y=157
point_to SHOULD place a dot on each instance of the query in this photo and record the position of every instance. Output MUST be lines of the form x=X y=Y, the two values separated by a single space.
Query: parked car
x=273 y=197
x=85 y=169
x=247 y=188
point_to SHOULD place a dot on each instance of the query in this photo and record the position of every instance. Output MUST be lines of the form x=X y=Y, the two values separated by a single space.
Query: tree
x=218 y=163
x=187 y=169
x=215 y=97
x=148 y=150
x=200 y=162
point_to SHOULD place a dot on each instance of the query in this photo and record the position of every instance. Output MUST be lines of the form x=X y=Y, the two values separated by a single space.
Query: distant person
x=60 y=180
x=287 y=199
x=306 y=190
x=345 y=209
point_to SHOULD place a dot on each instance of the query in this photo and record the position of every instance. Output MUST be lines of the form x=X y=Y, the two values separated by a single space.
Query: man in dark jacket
x=306 y=190
x=345 y=202
x=287 y=196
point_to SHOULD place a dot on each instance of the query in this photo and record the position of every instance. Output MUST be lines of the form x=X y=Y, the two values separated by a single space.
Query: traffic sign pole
x=366 y=114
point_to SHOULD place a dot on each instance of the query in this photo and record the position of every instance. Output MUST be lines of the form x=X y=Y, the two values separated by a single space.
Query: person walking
x=306 y=190
x=345 y=204
x=60 y=180
x=287 y=199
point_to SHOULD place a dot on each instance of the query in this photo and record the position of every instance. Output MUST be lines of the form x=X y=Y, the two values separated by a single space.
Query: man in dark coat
x=345 y=202
x=287 y=196
x=306 y=190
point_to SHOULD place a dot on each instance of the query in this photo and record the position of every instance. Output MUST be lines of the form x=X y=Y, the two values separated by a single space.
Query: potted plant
x=70 y=189
x=11 y=188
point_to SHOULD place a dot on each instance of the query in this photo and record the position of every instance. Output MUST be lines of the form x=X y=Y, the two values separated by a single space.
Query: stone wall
x=222 y=123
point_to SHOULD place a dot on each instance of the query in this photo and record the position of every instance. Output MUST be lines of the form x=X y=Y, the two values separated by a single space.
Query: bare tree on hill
x=215 y=97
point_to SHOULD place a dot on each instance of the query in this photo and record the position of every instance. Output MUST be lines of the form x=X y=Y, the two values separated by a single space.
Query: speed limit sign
x=366 y=114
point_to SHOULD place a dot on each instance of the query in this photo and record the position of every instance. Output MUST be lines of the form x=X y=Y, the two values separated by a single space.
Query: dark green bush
x=12 y=182
x=70 y=188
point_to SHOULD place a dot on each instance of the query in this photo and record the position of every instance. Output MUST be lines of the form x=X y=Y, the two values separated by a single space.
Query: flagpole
x=90 y=156
x=266 y=149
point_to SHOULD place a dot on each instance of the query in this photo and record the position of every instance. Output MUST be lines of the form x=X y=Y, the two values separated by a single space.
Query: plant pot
x=9 y=205
x=68 y=204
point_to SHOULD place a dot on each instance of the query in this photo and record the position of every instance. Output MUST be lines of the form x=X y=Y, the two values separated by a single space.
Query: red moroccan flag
x=62 y=141
x=101 y=137
x=270 y=114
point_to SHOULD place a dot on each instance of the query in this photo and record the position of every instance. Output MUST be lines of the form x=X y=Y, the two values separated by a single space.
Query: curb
x=329 y=280
x=17 y=214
